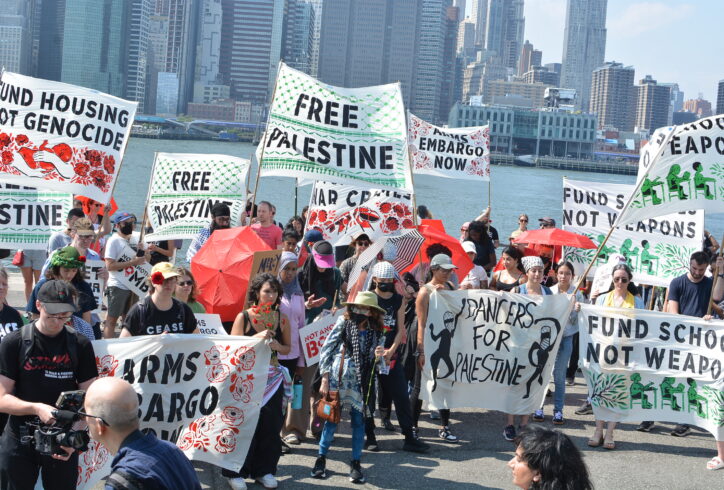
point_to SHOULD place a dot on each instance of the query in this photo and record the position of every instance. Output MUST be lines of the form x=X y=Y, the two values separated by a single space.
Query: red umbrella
x=432 y=235
x=222 y=269
x=555 y=236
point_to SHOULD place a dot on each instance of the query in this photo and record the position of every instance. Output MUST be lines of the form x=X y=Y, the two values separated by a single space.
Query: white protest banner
x=134 y=278
x=209 y=324
x=184 y=187
x=454 y=153
x=649 y=365
x=98 y=285
x=312 y=336
x=491 y=350
x=62 y=137
x=29 y=216
x=657 y=249
x=685 y=173
x=342 y=211
x=335 y=134
x=202 y=393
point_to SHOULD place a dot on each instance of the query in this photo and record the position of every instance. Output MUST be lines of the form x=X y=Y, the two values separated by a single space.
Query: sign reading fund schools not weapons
x=202 y=393
x=491 y=350
x=455 y=153
x=61 y=137
x=29 y=216
x=184 y=188
x=685 y=172
x=343 y=211
x=648 y=365
x=336 y=134
x=657 y=249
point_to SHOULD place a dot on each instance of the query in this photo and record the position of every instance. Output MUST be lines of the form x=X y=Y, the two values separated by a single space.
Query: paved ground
x=640 y=461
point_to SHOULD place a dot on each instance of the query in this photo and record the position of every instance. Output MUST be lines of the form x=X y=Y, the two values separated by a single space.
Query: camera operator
x=141 y=461
x=37 y=363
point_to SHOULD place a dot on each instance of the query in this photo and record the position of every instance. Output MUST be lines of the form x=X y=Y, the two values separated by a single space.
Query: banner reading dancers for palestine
x=342 y=211
x=688 y=172
x=335 y=134
x=455 y=153
x=201 y=393
x=657 y=249
x=184 y=188
x=648 y=365
x=61 y=137
x=491 y=350
x=29 y=216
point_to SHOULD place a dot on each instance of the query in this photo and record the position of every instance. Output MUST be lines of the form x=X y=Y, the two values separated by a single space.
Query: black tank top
x=503 y=286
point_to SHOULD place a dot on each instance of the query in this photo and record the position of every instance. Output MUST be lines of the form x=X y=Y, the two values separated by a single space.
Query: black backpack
x=28 y=342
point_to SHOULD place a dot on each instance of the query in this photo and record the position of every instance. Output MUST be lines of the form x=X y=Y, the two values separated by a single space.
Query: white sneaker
x=268 y=481
x=237 y=483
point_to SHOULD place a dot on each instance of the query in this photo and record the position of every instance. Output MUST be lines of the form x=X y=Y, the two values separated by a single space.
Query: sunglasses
x=84 y=415
x=621 y=279
x=185 y=283
x=463 y=229
x=523 y=220
x=363 y=244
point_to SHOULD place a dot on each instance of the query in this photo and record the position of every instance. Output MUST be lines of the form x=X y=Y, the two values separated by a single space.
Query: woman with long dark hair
x=353 y=347
x=512 y=274
x=264 y=320
x=320 y=280
x=484 y=246
x=548 y=460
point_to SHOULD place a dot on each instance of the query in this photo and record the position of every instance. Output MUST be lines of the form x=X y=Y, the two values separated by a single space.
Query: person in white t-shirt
x=119 y=297
x=477 y=278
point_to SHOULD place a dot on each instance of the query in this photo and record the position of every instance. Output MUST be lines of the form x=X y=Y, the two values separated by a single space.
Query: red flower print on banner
x=93 y=157
x=4 y=140
x=226 y=441
x=93 y=459
x=82 y=169
x=217 y=373
x=106 y=366
x=233 y=416
x=7 y=157
x=241 y=386
x=244 y=358
x=197 y=434
x=21 y=139
x=421 y=160
x=217 y=354
x=109 y=164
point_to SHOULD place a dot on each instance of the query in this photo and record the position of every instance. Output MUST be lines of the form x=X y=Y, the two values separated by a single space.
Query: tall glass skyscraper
x=16 y=35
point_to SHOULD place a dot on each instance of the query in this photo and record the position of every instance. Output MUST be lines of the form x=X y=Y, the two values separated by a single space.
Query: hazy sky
x=671 y=40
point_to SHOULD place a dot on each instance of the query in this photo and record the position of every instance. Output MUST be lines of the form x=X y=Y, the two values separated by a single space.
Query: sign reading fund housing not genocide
x=62 y=137
x=184 y=188
x=649 y=365
x=492 y=350
x=455 y=153
x=335 y=134
x=201 y=393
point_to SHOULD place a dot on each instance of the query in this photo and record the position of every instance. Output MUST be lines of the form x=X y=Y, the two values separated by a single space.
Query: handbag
x=329 y=408
x=18 y=258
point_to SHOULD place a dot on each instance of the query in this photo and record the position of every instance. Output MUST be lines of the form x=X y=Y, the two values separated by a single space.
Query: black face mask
x=386 y=287
x=126 y=228
x=358 y=317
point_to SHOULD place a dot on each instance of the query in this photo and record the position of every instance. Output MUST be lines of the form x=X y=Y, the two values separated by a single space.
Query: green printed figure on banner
x=674 y=180
x=628 y=252
x=647 y=259
x=647 y=190
x=701 y=182
x=638 y=392
x=669 y=392
x=695 y=399
x=606 y=251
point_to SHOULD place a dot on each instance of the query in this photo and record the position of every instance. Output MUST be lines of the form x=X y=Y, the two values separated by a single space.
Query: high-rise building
x=720 y=98
x=50 y=26
x=209 y=44
x=137 y=51
x=539 y=74
x=677 y=100
x=536 y=58
x=94 y=44
x=461 y=5
x=252 y=32
x=479 y=15
x=613 y=96
x=652 y=106
x=699 y=106
x=504 y=31
x=450 y=67
x=299 y=38
x=554 y=67
x=317 y=32
x=466 y=40
x=524 y=61
x=584 y=46
x=16 y=36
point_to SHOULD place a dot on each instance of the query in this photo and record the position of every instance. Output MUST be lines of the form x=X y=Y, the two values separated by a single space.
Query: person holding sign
x=346 y=364
x=160 y=313
x=186 y=290
x=264 y=320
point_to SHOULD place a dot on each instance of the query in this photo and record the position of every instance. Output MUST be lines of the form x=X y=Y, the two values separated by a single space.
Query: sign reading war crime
x=335 y=134
x=657 y=249
x=184 y=188
x=342 y=211
x=491 y=350
x=61 y=137
x=648 y=365
x=29 y=216
x=201 y=393
x=455 y=153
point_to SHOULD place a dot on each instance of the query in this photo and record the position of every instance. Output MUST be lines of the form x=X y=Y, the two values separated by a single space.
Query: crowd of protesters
x=375 y=354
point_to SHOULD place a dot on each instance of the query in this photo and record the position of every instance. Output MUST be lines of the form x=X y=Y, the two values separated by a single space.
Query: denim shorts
x=34 y=259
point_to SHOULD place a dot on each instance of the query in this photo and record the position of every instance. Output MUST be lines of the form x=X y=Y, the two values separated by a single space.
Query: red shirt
x=271 y=234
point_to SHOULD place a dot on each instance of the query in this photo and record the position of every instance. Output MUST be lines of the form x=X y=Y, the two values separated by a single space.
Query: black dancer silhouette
x=444 y=342
x=541 y=351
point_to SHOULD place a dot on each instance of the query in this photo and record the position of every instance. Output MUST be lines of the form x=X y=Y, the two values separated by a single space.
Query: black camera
x=48 y=439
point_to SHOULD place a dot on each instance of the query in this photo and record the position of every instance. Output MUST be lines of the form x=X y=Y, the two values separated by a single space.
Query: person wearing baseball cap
x=393 y=386
x=360 y=243
x=159 y=312
x=319 y=279
x=477 y=278
x=547 y=222
x=67 y=363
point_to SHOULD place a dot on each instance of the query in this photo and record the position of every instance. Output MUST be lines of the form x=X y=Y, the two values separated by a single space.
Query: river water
x=536 y=192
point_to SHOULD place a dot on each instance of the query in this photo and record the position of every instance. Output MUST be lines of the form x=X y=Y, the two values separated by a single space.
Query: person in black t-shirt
x=160 y=312
x=32 y=376
x=10 y=320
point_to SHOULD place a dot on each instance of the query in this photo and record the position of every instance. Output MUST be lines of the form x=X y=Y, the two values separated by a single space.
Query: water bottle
x=297 y=393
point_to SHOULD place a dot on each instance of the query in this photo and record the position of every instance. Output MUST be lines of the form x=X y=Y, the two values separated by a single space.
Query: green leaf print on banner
x=716 y=404
x=673 y=260
x=608 y=390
